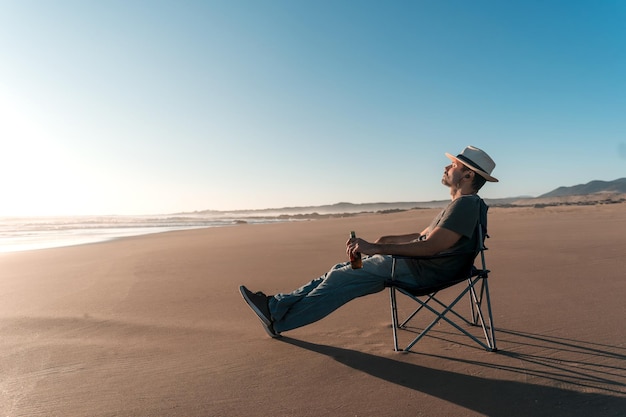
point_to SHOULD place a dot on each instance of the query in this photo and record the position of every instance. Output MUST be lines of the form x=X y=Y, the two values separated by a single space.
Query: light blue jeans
x=341 y=284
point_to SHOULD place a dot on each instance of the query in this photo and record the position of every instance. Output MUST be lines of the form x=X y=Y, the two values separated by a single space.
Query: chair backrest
x=482 y=225
x=481 y=234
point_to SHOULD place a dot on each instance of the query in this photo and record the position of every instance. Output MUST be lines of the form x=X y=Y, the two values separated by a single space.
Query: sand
x=154 y=326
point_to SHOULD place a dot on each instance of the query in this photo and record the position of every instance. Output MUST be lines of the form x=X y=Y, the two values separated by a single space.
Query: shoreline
x=80 y=236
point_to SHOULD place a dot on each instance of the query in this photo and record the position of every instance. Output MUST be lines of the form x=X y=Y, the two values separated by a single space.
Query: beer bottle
x=355 y=259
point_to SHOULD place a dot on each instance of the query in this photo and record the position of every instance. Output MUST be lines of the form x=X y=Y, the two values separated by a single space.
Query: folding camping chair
x=475 y=284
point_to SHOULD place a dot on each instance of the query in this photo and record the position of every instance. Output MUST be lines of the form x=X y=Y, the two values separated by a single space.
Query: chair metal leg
x=492 y=331
x=394 y=317
x=478 y=317
x=394 y=308
x=413 y=314
x=473 y=312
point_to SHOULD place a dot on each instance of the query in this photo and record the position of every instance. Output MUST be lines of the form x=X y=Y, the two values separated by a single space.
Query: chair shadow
x=592 y=369
x=590 y=366
x=485 y=396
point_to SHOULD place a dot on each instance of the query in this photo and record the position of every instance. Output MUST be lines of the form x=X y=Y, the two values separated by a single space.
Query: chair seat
x=422 y=291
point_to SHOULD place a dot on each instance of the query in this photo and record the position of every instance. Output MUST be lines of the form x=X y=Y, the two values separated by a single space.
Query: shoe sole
x=259 y=314
x=253 y=306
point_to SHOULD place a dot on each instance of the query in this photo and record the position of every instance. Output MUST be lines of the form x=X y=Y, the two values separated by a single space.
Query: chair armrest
x=437 y=256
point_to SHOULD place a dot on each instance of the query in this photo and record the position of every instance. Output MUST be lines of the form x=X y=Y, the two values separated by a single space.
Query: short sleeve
x=461 y=216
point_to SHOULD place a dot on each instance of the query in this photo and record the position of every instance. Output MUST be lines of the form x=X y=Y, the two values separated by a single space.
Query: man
x=451 y=231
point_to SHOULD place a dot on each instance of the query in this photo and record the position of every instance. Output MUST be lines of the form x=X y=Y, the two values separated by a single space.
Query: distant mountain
x=593 y=187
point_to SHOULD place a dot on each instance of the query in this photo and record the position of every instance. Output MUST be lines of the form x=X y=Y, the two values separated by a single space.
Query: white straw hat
x=477 y=160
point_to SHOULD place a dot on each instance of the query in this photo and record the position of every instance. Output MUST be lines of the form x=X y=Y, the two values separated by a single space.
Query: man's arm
x=439 y=240
x=399 y=238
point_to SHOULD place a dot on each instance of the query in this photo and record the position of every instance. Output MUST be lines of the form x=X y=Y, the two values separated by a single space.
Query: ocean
x=31 y=233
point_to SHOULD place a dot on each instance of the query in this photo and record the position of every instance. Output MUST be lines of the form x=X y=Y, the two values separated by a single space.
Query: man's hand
x=360 y=245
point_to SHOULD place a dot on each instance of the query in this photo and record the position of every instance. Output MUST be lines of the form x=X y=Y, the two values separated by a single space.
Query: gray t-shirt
x=460 y=216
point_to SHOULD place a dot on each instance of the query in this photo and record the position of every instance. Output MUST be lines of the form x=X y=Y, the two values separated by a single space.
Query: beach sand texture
x=155 y=326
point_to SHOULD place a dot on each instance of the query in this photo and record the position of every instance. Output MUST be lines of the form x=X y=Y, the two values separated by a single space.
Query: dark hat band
x=469 y=162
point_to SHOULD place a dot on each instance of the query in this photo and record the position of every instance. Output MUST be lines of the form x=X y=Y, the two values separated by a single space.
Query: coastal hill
x=617 y=186
x=594 y=192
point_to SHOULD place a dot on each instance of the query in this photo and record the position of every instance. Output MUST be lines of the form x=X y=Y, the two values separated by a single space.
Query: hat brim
x=473 y=168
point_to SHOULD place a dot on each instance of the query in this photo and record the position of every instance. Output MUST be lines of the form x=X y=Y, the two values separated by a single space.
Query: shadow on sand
x=492 y=397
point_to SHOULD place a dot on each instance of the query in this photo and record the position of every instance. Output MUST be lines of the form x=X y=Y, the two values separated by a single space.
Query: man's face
x=453 y=173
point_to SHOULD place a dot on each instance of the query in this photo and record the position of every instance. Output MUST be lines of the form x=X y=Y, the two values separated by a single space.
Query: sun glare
x=33 y=168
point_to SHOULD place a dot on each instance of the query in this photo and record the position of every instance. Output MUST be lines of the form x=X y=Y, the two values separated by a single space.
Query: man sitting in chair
x=452 y=230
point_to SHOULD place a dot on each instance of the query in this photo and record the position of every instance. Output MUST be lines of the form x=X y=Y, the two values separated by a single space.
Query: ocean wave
x=30 y=233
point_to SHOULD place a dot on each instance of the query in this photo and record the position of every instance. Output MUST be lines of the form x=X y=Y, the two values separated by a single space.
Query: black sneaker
x=258 y=302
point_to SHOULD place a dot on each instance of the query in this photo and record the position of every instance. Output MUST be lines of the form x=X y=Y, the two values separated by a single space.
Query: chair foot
x=400 y=350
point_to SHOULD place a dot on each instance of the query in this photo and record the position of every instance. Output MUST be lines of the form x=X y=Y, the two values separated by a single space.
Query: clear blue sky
x=143 y=107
